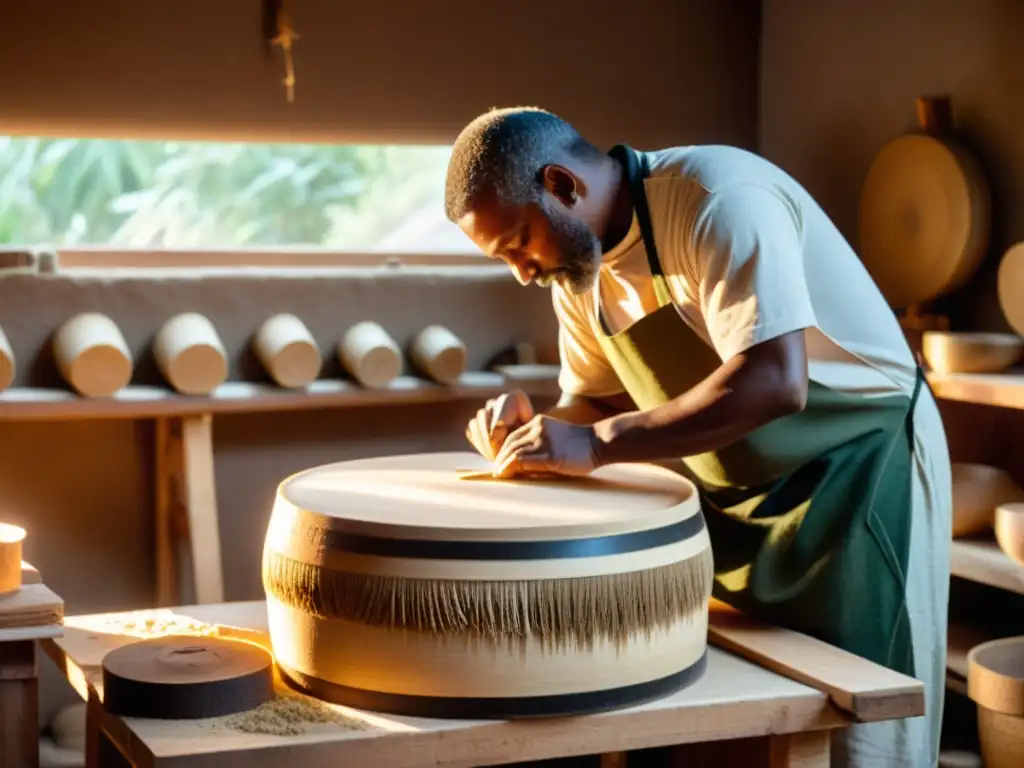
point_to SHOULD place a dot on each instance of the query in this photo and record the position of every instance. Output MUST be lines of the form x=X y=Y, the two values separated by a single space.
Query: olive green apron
x=809 y=515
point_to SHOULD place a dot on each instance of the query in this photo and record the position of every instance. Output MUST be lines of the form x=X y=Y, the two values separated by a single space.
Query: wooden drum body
x=393 y=585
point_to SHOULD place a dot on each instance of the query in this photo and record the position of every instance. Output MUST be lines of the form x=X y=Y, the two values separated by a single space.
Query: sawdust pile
x=288 y=714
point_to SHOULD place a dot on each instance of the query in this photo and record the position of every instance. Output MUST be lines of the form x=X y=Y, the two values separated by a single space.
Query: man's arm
x=577 y=409
x=765 y=382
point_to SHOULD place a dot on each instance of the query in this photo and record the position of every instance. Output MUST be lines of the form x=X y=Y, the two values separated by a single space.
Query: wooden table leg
x=19 y=705
x=93 y=729
x=614 y=760
x=186 y=511
x=809 y=749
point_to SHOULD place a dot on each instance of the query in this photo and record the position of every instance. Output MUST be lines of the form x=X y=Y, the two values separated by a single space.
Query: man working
x=709 y=310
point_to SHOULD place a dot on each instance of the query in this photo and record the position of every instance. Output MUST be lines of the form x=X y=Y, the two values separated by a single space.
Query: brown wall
x=648 y=72
x=839 y=79
x=662 y=72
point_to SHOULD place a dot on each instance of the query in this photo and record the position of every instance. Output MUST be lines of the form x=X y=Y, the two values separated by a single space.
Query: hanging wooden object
x=279 y=33
x=924 y=216
x=393 y=585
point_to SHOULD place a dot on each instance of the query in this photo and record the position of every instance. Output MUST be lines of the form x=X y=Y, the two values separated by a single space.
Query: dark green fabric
x=809 y=515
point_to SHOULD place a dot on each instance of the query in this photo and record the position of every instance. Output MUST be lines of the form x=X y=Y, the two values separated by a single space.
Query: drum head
x=422 y=496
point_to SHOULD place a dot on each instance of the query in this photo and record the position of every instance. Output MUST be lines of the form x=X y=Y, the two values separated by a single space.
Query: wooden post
x=19 y=704
x=187 y=522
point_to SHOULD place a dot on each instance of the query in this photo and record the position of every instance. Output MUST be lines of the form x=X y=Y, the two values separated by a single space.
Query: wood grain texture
x=32 y=612
x=19 y=705
x=421 y=496
x=735 y=699
x=867 y=691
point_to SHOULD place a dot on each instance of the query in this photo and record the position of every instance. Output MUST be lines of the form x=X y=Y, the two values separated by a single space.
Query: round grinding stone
x=183 y=677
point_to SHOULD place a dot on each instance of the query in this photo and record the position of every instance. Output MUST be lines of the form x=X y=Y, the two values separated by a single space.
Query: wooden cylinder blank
x=92 y=355
x=370 y=355
x=7 y=365
x=288 y=351
x=190 y=355
x=11 y=537
x=439 y=354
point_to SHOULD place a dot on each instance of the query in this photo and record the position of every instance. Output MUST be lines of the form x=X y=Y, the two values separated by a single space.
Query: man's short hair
x=502 y=153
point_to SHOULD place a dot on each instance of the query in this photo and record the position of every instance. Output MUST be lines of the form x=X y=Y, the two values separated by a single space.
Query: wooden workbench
x=734 y=700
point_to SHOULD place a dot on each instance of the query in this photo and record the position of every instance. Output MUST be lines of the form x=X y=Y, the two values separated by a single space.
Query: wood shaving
x=288 y=714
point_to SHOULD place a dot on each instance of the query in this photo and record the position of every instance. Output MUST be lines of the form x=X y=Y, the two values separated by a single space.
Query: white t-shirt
x=748 y=256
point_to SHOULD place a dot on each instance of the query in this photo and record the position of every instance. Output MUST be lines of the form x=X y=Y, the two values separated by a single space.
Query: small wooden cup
x=11 y=538
x=190 y=355
x=92 y=355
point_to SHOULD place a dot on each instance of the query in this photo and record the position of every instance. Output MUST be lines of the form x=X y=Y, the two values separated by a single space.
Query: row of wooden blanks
x=93 y=356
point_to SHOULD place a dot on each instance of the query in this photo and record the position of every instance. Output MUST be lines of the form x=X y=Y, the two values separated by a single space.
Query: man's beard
x=580 y=254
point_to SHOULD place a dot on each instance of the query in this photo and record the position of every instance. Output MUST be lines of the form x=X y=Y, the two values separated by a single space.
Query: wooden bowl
x=959 y=352
x=1009 y=525
x=995 y=682
x=977 y=490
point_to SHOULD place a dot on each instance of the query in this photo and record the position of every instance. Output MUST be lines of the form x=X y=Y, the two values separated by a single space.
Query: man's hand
x=493 y=423
x=545 y=444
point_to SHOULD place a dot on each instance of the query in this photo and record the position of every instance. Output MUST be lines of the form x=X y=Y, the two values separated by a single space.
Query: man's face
x=542 y=243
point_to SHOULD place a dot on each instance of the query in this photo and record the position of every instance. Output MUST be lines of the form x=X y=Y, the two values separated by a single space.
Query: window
x=192 y=195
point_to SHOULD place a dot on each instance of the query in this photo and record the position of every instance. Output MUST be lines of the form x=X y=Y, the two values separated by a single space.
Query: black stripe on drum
x=488 y=708
x=426 y=549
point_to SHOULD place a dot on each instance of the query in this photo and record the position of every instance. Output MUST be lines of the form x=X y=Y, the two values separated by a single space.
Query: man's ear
x=563 y=184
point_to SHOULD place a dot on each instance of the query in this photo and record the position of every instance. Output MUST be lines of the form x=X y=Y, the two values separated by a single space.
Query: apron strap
x=637 y=169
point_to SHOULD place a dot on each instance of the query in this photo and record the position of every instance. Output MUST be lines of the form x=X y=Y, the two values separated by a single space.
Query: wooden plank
x=31 y=404
x=983 y=562
x=735 y=699
x=31 y=612
x=201 y=507
x=1004 y=390
x=865 y=690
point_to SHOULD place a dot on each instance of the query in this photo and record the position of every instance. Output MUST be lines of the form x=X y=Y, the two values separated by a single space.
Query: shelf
x=1005 y=390
x=24 y=404
x=983 y=562
x=960 y=639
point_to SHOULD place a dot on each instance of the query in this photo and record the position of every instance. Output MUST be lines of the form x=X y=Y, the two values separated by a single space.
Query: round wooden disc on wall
x=1011 y=286
x=183 y=677
x=923 y=219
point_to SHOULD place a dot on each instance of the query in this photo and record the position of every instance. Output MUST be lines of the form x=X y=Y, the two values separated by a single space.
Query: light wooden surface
x=867 y=691
x=735 y=699
x=1005 y=390
x=31 y=613
x=982 y=561
x=421 y=496
x=133 y=402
